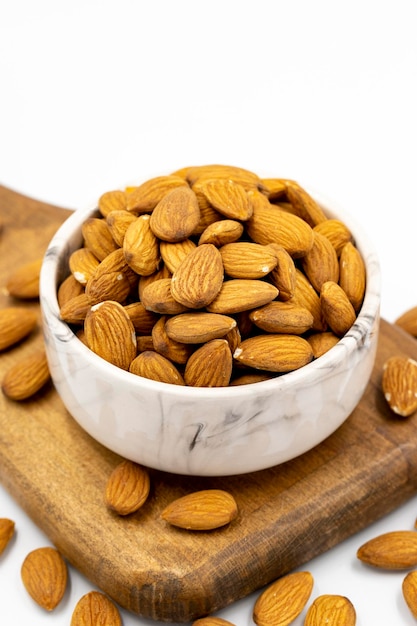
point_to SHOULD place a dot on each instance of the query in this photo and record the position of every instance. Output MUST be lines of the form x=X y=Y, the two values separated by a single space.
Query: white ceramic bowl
x=208 y=431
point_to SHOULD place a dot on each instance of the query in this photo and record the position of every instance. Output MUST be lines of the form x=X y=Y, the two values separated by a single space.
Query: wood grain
x=288 y=514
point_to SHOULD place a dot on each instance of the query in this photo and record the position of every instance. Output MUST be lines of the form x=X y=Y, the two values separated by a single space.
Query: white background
x=95 y=94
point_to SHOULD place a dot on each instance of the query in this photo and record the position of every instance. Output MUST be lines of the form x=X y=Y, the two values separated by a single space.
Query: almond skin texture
x=337 y=309
x=95 y=609
x=332 y=610
x=144 y=198
x=393 y=550
x=112 y=201
x=127 y=488
x=352 y=277
x=409 y=589
x=274 y=353
x=212 y=621
x=118 y=223
x=282 y=317
x=221 y=232
x=199 y=327
x=68 y=289
x=173 y=254
x=399 y=385
x=210 y=365
x=113 y=279
x=304 y=205
x=44 y=575
x=7 y=527
x=82 y=264
x=176 y=216
x=243 y=259
x=336 y=232
x=282 y=601
x=157 y=296
x=199 y=278
x=321 y=264
x=15 y=324
x=241 y=294
x=154 y=366
x=322 y=342
x=110 y=333
x=141 y=247
x=98 y=238
x=201 y=510
x=227 y=197
x=26 y=377
x=23 y=283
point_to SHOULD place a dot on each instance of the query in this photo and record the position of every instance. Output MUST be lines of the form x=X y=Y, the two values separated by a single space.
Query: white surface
x=96 y=93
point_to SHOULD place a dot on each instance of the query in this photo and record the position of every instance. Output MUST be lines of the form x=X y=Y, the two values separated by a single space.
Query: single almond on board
x=210 y=365
x=274 y=353
x=141 y=247
x=145 y=197
x=242 y=259
x=95 y=609
x=409 y=589
x=82 y=264
x=202 y=510
x=282 y=317
x=241 y=294
x=44 y=575
x=112 y=201
x=27 y=376
x=212 y=621
x=98 y=238
x=155 y=366
x=352 y=276
x=23 y=282
x=15 y=324
x=127 y=487
x=332 y=610
x=392 y=550
x=283 y=600
x=227 y=197
x=110 y=333
x=176 y=216
x=199 y=327
x=199 y=278
x=399 y=385
x=7 y=527
x=221 y=232
x=337 y=309
x=408 y=321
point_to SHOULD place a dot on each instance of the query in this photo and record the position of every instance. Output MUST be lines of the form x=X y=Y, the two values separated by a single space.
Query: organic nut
x=127 y=487
x=74 y=310
x=15 y=324
x=282 y=317
x=198 y=327
x=409 y=589
x=199 y=278
x=44 y=575
x=68 y=289
x=210 y=365
x=154 y=366
x=95 y=609
x=221 y=232
x=274 y=353
x=399 y=385
x=336 y=232
x=332 y=610
x=283 y=275
x=322 y=342
x=320 y=263
x=352 y=278
x=202 y=510
x=118 y=223
x=27 y=376
x=211 y=621
x=258 y=260
x=176 y=351
x=173 y=253
x=97 y=237
x=283 y=600
x=227 y=197
x=392 y=550
x=141 y=247
x=241 y=294
x=239 y=175
x=157 y=297
x=176 y=215
x=82 y=264
x=7 y=527
x=337 y=308
x=144 y=198
x=112 y=201
x=113 y=279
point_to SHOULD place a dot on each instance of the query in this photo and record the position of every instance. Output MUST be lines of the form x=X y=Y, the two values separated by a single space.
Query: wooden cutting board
x=288 y=514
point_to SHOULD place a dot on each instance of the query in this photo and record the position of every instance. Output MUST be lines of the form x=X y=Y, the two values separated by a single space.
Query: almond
x=210 y=365
x=332 y=610
x=145 y=197
x=408 y=321
x=202 y=510
x=227 y=197
x=113 y=279
x=151 y=364
x=282 y=317
x=158 y=297
x=307 y=296
x=283 y=275
x=249 y=379
x=175 y=351
x=142 y=319
x=243 y=259
x=283 y=600
x=274 y=188
x=409 y=589
x=320 y=263
x=23 y=283
x=338 y=311
x=173 y=254
x=274 y=353
x=110 y=333
x=392 y=550
x=322 y=342
x=221 y=232
x=95 y=609
x=198 y=327
x=7 y=527
x=15 y=324
x=336 y=232
x=82 y=264
x=26 y=377
x=74 y=311
x=239 y=175
x=199 y=278
x=112 y=201
x=176 y=216
x=141 y=247
x=118 y=223
x=44 y=575
x=305 y=206
x=98 y=238
x=211 y=621
x=270 y=224
x=68 y=289
x=144 y=343
x=144 y=281
x=240 y=294
x=399 y=385
x=352 y=275
x=127 y=487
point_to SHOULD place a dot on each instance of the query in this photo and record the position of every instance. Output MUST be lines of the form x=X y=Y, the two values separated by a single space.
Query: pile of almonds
x=211 y=276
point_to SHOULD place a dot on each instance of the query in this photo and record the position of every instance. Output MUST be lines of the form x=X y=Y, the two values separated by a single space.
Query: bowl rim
x=52 y=267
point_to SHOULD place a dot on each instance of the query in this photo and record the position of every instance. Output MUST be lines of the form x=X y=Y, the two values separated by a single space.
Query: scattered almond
x=392 y=550
x=127 y=487
x=15 y=324
x=408 y=321
x=7 y=528
x=27 y=376
x=399 y=385
x=409 y=589
x=23 y=283
x=283 y=600
x=44 y=575
x=95 y=609
x=332 y=610
x=201 y=510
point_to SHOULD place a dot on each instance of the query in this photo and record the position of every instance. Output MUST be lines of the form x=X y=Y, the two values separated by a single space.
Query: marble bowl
x=208 y=431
